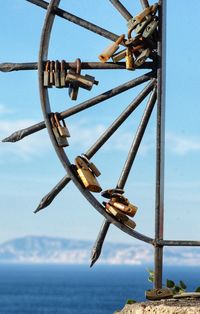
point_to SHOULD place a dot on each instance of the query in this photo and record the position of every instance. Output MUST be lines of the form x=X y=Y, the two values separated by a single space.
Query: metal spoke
x=137 y=140
x=122 y=10
x=122 y=117
x=144 y=3
x=48 y=198
x=96 y=251
x=20 y=134
x=9 y=67
x=103 y=138
x=79 y=21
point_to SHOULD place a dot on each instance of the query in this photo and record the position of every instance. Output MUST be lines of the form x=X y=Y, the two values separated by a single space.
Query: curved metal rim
x=46 y=109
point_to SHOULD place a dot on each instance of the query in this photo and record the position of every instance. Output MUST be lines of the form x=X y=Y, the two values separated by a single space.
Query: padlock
x=150 y=28
x=51 y=74
x=73 y=87
x=62 y=74
x=133 y=22
x=57 y=74
x=158 y=294
x=61 y=140
x=117 y=197
x=85 y=82
x=62 y=128
x=113 y=211
x=142 y=57
x=110 y=192
x=120 y=216
x=119 y=56
x=92 y=166
x=111 y=49
x=129 y=59
x=141 y=26
x=129 y=209
x=46 y=82
x=86 y=175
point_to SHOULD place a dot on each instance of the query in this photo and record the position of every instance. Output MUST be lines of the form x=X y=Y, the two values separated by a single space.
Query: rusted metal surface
x=18 y=135
x=160 y=145
x=77 y=20
x=122 y=10
x=10 y=67
x=139 y=48
x=46 y=109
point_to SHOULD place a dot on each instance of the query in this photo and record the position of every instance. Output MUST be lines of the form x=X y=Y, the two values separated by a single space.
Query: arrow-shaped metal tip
x=14 y=137
x=45 y=201
x=95 y=255
x=48 y=198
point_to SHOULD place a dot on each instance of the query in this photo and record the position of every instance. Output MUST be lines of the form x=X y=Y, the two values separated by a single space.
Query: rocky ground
x=170 y=306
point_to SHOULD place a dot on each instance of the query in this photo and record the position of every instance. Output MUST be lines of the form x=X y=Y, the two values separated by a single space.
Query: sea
x=64 y=289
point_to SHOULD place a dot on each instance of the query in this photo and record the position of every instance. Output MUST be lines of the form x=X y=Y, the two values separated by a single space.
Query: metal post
x=159 y=199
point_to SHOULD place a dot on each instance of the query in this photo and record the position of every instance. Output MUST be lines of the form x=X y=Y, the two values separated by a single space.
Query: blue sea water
x=50 y=289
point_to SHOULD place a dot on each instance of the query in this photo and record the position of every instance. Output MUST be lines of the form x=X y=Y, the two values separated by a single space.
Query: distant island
x=50 y=250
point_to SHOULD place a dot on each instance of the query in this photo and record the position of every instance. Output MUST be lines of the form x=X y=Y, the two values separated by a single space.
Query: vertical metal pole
x=160 y=141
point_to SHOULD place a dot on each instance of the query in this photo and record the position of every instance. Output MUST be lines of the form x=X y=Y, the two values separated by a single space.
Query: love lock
x=60 y=131
x=73 y=86
x=87 y=174
x=158 y=294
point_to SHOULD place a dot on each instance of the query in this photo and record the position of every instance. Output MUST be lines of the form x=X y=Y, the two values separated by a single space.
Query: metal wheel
x=140 y=48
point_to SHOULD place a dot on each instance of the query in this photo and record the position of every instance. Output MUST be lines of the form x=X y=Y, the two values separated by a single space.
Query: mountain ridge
x=54 y=250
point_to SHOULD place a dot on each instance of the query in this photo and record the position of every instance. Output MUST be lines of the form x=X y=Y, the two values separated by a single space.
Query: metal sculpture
x=144 y=50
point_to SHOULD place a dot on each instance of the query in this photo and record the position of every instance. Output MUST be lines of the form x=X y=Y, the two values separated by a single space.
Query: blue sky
x=30 y=168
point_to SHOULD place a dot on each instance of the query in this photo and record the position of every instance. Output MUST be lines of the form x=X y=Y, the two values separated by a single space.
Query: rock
x=169 y=306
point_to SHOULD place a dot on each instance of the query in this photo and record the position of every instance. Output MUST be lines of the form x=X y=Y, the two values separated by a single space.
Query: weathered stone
x=169 y=306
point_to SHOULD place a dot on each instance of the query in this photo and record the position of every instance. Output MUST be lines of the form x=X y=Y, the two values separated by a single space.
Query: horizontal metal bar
x=9 y=66
x=176 y=243
x=79 y=21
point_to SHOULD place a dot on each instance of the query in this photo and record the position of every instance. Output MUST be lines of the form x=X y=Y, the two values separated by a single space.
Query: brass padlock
x=57 y=74
x=117 y=197
x=120 y=216
x=119 y=56
x=133 y=22
x=73 y=87
x=62 y=74
x=129 y=59
x=86 y=175
x=61 y=140
x=62 y=128
x=111 y=49
x=84 y=81
x=129 y=209
x=51 y=75
x=46 y=82
x=150 y=28
x=92 y=166
x=140 y=27
x=108 y=193
x=142 y=57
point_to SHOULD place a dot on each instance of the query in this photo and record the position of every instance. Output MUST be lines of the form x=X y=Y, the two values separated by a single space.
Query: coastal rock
x=170 y=306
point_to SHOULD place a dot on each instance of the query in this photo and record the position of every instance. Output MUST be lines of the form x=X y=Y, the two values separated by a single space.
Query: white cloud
x=27 y=148
x=85 y=134
x=182 y=145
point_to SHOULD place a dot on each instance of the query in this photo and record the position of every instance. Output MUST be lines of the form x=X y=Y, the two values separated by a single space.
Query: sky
x=30 y=168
